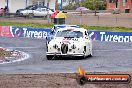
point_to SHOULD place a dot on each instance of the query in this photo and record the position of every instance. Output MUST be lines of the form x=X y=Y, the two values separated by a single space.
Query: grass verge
x=37 y=25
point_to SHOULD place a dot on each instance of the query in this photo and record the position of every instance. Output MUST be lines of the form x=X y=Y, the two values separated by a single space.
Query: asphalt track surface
x=107 y=56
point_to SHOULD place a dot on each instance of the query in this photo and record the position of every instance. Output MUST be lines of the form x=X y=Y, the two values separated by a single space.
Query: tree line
x=90 y=4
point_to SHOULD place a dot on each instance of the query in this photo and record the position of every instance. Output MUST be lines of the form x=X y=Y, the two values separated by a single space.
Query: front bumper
x=65 y=55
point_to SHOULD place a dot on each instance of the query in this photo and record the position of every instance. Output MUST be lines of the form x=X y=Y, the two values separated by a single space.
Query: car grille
x=64 y=48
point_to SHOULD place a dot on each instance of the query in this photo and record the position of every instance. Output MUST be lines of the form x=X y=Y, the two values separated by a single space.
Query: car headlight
x=73 y=46
x=55 y=46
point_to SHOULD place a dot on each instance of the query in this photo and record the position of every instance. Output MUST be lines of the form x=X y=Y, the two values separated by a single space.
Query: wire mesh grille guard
x=64 y=48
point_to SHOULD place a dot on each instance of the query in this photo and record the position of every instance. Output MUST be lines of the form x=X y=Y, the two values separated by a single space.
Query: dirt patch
x=8 y=56
x=67 y=80
x=4 y=53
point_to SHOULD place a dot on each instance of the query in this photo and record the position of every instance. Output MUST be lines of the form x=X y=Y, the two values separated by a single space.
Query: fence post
x=98 y=19
x=116 y=20
x=80 y=20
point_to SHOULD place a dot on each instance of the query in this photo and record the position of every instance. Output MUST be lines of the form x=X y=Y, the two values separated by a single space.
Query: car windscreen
x=69 y=34
x=28 y=7
x=33 y=7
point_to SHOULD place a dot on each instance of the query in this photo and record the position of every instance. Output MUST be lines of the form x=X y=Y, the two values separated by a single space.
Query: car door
x=37 y=12
x=44 y=11
x=30 y=10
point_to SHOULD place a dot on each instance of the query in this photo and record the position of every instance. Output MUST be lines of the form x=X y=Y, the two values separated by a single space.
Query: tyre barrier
x=29 y=32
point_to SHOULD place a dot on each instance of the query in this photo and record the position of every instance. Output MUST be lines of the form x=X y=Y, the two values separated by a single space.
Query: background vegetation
x=94 y=4
x=90 y=4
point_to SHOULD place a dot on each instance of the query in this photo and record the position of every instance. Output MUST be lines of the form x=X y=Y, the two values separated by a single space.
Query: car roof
x=62 y=26
x=56 y=27
x=37 y=6
x=72 y=28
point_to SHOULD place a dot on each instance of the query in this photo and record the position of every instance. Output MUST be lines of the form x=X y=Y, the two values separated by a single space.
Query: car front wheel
x=50 y=57
x=90 y=55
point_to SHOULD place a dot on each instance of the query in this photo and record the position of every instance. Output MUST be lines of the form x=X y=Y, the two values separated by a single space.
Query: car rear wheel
x=17 y=13
x=90 y=55
x=30 y=15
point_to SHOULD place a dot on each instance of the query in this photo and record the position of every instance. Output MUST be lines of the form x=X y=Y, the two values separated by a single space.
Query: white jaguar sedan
x=70 y=42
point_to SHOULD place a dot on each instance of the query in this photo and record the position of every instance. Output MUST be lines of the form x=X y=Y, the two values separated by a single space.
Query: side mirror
x=52 y=32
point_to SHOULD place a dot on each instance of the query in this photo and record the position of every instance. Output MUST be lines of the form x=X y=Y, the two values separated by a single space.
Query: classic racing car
x=51 y=35
x=69 y=42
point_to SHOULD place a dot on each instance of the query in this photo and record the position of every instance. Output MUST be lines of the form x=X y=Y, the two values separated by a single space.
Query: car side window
x=43 y=9
x=38 y=9
x=33 y=8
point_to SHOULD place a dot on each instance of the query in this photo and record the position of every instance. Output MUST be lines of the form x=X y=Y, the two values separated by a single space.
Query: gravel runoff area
x=67 y=80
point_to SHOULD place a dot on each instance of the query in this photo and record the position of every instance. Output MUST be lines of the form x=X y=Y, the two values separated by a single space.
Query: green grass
x=100 y=28
x=37 y=25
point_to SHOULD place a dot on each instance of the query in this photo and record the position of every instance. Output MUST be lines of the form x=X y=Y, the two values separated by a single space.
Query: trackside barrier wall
x=13 y=31
x=111 y=36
